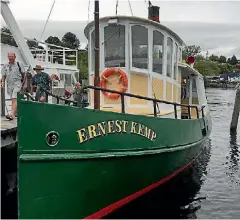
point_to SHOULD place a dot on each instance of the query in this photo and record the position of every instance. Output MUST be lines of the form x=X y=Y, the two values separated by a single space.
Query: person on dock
x=14 y=73
x=41 y=81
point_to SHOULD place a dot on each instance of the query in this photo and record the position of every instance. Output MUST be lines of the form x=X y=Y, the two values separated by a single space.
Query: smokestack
x=153 y=12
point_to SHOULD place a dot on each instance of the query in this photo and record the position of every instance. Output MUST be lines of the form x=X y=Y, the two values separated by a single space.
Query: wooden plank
x=8 y=126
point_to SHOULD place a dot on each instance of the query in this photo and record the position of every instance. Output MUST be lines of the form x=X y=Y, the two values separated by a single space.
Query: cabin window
x=92 y=50
x=195 y=100
x=68 y=79
x=157 y=51
x=169 y=56
x=139 y=47
x=179 y=54
x=114 y=46
x=176 y=61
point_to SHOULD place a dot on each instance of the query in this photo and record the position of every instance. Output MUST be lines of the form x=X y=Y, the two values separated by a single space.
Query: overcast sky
x=77 y=10
x=221 y=38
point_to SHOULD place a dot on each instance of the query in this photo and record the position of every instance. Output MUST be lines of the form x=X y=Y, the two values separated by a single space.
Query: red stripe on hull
x=109 y=209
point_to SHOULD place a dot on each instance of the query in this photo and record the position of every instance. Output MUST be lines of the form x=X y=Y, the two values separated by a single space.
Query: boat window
x=68 y=80
x=179 y=54
x=195 y=100
x=169 y=56
x=157 y=51
x=92 y=50
x=176 y=61
x=114 y=46
x=139 y=47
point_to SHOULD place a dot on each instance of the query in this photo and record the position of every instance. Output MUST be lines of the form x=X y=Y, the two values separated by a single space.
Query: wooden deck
x=8 y=126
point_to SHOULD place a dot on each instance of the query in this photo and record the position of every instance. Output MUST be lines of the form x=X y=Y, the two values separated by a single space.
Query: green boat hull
x=102 y=161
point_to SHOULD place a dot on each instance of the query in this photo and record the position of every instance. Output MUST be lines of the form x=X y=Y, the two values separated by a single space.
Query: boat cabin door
x=189 y=96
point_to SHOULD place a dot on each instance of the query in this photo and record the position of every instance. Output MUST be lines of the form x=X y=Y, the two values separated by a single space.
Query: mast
x=96 y=75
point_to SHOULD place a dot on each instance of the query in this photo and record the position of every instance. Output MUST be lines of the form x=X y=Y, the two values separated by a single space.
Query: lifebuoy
x=123 y=78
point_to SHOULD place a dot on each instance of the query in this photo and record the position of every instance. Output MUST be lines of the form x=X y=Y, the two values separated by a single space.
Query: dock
x=8 y=132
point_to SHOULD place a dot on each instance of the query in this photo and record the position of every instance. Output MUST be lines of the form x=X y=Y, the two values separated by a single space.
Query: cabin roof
x=187 y=68
x=138 y=19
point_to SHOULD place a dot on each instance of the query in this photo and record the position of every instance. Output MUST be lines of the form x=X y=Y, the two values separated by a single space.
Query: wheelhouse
x=150 y=55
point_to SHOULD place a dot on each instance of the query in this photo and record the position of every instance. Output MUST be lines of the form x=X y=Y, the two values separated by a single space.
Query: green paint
x=114 y=159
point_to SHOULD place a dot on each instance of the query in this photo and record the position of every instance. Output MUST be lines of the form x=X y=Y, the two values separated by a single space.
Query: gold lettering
x=125 y=123
x=147 y=132
x=82 y=135
x=118 y=126
x=110 y=127
x=102 y=128
x=140 y=130
x=154 y=135
x=92 y=131
x=133 y=127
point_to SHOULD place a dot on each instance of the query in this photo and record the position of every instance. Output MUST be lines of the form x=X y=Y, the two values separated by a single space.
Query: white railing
x=55 y=54
x=52 y=53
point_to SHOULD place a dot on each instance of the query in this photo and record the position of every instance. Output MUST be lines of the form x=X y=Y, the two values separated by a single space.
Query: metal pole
x=96 y=76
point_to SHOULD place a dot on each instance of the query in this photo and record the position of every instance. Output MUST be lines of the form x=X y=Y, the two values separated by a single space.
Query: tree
x=233 y=60
x=54 y=40
x=191 y=50
x=208 y=68
x=222 y=59
x=70 y=40
x=200 y=58
x=6 y=37
x=214 y=58
x=83 y=64
x=226 y=68
x=32 y=43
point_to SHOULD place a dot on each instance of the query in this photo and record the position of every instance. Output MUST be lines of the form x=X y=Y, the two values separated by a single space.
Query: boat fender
x=122 y=78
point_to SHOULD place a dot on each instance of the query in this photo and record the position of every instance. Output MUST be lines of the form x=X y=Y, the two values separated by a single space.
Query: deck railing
x=122 y=95
x=154 y=100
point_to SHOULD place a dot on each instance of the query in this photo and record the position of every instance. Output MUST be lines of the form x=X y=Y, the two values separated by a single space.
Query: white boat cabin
x=150 y=54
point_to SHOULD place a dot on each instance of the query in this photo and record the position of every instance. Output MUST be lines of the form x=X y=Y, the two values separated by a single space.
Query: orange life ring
x=123 y=78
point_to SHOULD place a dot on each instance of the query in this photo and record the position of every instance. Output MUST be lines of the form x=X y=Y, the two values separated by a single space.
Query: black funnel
x=153 y=13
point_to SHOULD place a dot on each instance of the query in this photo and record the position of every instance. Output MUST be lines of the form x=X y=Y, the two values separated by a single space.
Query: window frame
x=132 y=68
x=125 y=46
x=172 y=57
x=163 y=48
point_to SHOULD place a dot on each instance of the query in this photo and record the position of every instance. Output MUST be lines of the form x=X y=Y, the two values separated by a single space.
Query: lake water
x=208 y=189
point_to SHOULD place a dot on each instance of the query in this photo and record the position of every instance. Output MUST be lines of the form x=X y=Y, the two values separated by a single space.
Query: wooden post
x=236 y=110
x=3 y=103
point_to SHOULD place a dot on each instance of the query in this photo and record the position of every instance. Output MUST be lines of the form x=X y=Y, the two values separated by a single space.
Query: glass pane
x=179 y=54
x=93 y=50
x=176 y=62
x=114 y=46
x=68 y=80
x=169 y=57
x=157 y=51
x=139 y=47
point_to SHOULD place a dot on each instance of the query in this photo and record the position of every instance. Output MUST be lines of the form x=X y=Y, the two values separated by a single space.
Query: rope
x=129 y=3
x=47 y=20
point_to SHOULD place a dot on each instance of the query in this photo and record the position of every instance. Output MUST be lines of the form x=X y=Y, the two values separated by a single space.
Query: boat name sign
x=112 y=127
